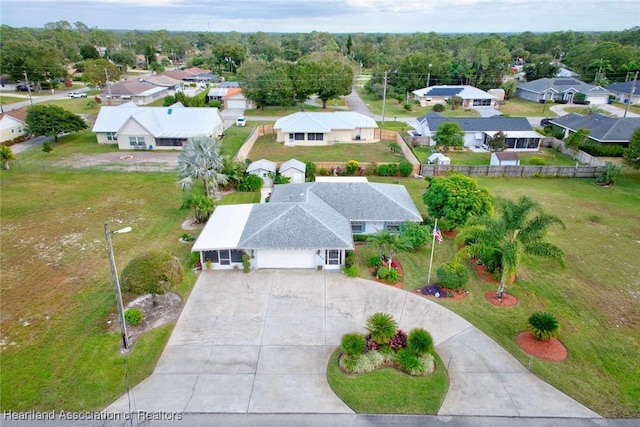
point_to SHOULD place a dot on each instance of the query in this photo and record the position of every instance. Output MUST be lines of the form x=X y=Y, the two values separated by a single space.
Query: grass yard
x=234 y=137
x=267 y=148
x=279 y=111
x=388 y=391
x=11 y=98
x=551 y=157
x=518 y=107
x=595 y=297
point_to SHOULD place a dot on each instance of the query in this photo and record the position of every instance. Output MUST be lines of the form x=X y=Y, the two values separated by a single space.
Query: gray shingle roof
x=624 y=88
x=603 y=128
x=479 y=124
x=560 y=84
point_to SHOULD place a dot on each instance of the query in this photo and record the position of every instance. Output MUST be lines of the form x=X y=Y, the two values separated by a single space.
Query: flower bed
x=436 y=291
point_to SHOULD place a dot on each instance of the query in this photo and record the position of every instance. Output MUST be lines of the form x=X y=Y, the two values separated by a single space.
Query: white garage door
x=598 y=99
x=286 y=259
x=236 y=103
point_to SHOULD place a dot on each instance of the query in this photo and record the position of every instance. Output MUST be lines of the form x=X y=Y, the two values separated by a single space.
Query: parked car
x=23 y=88
x=546 y=121
x=77 y=95
x=240 y=122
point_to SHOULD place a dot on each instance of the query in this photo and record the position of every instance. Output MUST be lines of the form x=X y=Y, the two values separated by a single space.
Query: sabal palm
x=628 y=68
x=6 y=154
x=200 y=158
x=520 y=228
x=388 y=244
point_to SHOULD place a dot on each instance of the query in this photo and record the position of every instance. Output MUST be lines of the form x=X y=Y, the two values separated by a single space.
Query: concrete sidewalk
x=260 y=343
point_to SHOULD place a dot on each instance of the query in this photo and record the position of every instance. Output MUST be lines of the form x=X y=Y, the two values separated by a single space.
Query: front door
x=225 y=257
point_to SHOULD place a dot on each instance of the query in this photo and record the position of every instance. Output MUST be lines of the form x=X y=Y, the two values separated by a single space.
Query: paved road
x=36 y=98
x=260 y=343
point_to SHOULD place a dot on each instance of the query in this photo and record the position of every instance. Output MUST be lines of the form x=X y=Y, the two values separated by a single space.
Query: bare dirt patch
x=156 y=312
x=142 y=161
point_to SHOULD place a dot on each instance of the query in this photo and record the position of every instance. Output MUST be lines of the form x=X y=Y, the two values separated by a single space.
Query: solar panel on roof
x=444 y=91
x=568 y=82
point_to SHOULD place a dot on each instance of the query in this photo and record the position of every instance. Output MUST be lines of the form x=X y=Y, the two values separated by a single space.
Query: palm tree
x=201 y=159
x=629 y=68
x=602 y=65
x=388 y=243
x=514 y=233
x=6 y=154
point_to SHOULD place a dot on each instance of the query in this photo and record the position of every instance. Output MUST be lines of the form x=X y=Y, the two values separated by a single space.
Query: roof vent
x=169 y=111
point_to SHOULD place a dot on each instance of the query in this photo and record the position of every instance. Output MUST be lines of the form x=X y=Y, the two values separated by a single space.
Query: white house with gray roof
x=304 y=128
x=471 y=96
x=565 y=89
x=155 y=128
x=293 y=169
x=303 y=225
x=603 y=129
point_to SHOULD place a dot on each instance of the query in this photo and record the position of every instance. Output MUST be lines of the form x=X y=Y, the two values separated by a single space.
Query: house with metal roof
x=311 y=128
x=303 y=225
x=603 y=129
x=520 y=136
x=561 y=89
x=622 y=92
x=150 y=128
x=471 y=96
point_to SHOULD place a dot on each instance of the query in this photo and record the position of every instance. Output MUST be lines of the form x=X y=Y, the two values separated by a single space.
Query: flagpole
x=433 y=245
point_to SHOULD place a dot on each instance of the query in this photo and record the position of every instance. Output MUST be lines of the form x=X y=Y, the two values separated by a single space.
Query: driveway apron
x=260 y=343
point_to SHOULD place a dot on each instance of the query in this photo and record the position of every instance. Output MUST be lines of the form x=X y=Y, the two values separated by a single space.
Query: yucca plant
x=420 y=341
x=353 y=344
x=382 y=327
x=543 y=325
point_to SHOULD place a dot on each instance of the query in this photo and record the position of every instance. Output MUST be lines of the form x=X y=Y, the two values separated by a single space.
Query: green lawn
x=551 y=157
x=267 y=148
x=279 y=111
x=234 y=137
x=594 y=296
x=518 y=107
x=388 y=391
x=11 y=99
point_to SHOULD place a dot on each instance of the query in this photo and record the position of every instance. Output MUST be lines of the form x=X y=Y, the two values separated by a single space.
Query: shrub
x=407 y=106
x=438 y=108
x=246 y=263
x=46 y=147
x=133 y=316
x=323 y=172
x=608 y=173
x=382 y=327
x=543 y=325
x=375 y=261
x=416 y=233
x=371 y=169
x=353 y=344
x=360 y=237
x=250 y=183
x=452 y=275
x=390 y=169
x=215 y=103
x=603 y=150
x=367 y=362
x=188 y=237
x=537 y=161
x=420 y=341
x=153 y=272
x=394 y=147
x=398 y=341
x=350 y=259
x=351 y=271
x=310 y=171
x=351 y=167
x=405 y=168
x=389 y=275
x=409 y=362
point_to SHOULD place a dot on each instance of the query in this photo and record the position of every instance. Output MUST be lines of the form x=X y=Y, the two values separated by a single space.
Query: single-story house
x=520 y=136
x=174 y=85
x=138 y=91
x=13 y=125
x=471 y=96
x=304 y=128
x=162 y=128
x=622 y=92
x=293 y=169
x=504 y=158
x=604 y=129
x=561 y=89
x=438 y=159
x=303 y=225
x=265 y=169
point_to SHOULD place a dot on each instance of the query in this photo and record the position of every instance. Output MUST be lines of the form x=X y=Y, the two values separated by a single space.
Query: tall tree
x=497 y=142
x=519 y=229
x=577 y=139
x=51 y=120
x=201 y=159
x=88 y=51
x=334 y=76
x=6 y=155
x=388 y=244
x=96 y=70
x=632 y=155
x=449 y=134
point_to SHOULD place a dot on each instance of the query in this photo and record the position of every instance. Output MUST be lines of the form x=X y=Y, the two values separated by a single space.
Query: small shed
x=505 y=158
x=294 y=169
x=439 y=159
x=265 y=169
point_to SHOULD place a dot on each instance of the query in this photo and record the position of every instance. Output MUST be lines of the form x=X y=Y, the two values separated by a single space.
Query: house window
x=135 y=141
x=298 y=136
x=393 y=227
x=333 y=257
x=13 y=131
x=290 y=137
x=357 y=227
x=111 y=136
x=170 y=142
x=315 y=136
x=19 y=130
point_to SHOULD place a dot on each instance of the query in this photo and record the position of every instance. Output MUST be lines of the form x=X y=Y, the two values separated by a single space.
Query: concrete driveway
x=260 y=343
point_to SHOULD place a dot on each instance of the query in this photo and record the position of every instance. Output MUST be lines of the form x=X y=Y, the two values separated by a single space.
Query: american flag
x=437 y=234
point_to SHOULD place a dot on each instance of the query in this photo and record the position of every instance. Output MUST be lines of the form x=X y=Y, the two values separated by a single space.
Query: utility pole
x=429 y=75
x=26 y=80
x=108 y=85
x=633 y=89
x=384 y=95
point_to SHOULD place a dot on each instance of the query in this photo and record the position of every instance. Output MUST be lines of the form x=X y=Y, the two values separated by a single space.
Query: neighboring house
x=293 y=169
x=303 y=225
x=265 y=169
x=140 y=92
x=193 y=74
x=162 y=128
x=231 y=97
x=561 y=89
x=13 y=125
x=174 y=85
x=520 y=136
x=304 y=128
x=471 y=96
x=504 y=158
x=622 y=92
x=604 y=129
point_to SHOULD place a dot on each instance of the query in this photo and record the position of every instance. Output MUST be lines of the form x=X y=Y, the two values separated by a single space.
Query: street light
x=116 y=284
x=429 y=74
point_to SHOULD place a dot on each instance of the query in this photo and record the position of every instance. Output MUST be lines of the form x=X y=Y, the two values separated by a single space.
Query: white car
x=77 y=95
x=241 y=122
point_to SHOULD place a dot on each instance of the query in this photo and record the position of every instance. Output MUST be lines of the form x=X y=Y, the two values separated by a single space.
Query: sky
x=333 y=16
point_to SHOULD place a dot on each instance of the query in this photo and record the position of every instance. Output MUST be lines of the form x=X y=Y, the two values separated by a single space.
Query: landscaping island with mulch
x=550 y=350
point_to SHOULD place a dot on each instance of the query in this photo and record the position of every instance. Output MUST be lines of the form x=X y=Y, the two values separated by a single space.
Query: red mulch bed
x=551 y=350
x=483 y=273
x=507 y=300
x=457 y=296
x=453 y=234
